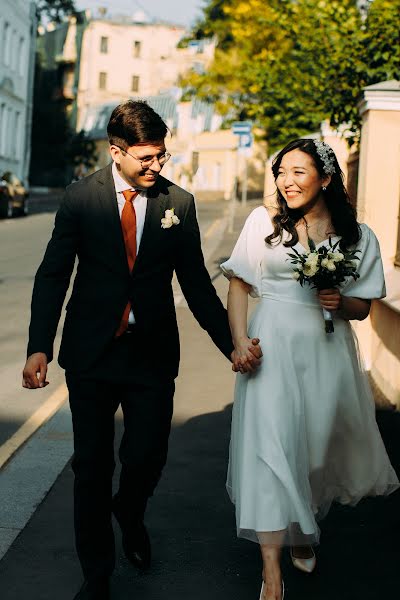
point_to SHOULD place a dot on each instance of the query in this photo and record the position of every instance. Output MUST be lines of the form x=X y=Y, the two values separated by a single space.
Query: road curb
x=35 y=421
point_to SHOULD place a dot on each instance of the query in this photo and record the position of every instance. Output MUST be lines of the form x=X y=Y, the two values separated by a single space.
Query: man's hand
x=35 y=371
x=247 y=356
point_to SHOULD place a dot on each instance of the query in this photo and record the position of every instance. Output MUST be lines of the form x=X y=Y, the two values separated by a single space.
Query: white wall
x=17 y=30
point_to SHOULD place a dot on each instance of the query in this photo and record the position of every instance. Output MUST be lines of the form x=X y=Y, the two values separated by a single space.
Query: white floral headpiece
x=327 y=155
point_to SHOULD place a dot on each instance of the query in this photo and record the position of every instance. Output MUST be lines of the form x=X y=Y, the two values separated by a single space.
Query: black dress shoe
x=135 y=542
x=94 y=589
x=137 y=547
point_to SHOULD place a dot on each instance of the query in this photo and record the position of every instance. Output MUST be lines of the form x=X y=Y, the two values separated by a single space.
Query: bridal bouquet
x=324 y=268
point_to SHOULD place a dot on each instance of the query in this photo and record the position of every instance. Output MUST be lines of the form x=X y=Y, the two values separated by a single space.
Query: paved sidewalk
x=191 y=521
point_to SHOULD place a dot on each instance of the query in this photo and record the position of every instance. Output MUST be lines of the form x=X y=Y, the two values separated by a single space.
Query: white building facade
x=17 y=56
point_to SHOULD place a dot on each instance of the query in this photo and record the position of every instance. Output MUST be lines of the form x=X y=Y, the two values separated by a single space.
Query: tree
x=290 y=64
x=54 y=10
x=50 y=160
x=50 y=131
x=373 y=57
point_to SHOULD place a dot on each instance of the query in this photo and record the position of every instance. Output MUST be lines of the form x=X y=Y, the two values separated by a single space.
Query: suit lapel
x=112 y=221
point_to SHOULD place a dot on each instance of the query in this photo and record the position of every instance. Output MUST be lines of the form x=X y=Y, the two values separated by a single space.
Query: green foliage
x=288 y=65
x=56 y=149
x=50 y=131
x=54 y=10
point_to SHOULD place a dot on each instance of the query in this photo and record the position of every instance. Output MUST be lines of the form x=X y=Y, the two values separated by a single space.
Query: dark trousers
x=146 y=400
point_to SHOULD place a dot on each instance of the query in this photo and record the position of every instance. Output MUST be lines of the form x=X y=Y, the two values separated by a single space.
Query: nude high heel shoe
x=307 y=565
x=262 y=590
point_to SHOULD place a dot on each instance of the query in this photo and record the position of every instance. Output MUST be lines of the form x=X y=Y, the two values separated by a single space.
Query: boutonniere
x=169 y=219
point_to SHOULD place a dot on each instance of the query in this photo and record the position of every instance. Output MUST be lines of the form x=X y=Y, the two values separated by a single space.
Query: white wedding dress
x=303 y=425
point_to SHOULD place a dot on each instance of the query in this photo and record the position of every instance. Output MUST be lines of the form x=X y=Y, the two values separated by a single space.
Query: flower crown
x=327 y=156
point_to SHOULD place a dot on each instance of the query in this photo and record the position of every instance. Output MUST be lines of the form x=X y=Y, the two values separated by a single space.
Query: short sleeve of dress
x=247 y=255
x=371 y=283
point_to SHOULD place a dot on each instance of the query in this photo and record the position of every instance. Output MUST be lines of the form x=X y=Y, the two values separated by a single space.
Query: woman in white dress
x=303 y=428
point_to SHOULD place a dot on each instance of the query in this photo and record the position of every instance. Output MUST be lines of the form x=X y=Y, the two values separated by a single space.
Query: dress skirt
x=304 y=432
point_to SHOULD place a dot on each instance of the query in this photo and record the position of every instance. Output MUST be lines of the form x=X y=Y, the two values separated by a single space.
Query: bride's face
x=299 y=181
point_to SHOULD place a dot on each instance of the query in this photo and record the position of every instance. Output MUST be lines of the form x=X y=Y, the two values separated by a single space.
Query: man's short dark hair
x=134 y=122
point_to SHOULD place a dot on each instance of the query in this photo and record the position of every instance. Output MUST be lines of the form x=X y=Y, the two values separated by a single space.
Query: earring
x=324 y=188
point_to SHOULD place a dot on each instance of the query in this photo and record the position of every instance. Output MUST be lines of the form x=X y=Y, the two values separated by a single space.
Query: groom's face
x=138 y=165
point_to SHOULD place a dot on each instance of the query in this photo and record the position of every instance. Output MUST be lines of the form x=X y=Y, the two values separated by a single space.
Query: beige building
x=378 y=205
x=107 y=60
x=17 y=40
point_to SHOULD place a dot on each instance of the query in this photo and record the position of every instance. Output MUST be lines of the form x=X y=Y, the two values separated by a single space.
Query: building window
x=21 y=56
x=14 y=51
x=9 y=134
x=104 y=45
x=102 y=81
x=14 y=140
x=135 y=83
x=137 y=48
x=3 y=131
x=6 y=43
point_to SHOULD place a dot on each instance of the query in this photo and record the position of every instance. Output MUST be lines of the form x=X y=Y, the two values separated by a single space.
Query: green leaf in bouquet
x=335 y=245
x=311 y=244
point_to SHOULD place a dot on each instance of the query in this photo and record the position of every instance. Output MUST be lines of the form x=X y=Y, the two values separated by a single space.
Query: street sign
x=241 y=127
x=245 y=140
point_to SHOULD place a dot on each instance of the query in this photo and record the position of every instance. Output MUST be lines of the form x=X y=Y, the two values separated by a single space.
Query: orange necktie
x=128 y=224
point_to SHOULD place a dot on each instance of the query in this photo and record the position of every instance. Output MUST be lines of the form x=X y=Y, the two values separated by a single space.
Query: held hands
x=247 y=355
x=35 y=371
x=330 y=299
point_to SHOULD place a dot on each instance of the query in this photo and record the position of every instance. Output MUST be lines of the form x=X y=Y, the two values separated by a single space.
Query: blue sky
x=176 y=11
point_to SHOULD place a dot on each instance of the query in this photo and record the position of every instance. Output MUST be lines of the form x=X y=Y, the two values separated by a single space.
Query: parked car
x=13 y=196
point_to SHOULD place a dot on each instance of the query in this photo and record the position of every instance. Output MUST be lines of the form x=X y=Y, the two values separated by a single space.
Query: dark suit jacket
x=87 y=225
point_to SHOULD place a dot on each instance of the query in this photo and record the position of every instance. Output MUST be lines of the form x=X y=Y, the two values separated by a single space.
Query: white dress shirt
x=140 y=204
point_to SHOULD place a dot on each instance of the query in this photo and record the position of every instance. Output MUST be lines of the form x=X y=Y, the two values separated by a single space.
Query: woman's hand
x=330 y=299
x=347 y=307
x=246 y=356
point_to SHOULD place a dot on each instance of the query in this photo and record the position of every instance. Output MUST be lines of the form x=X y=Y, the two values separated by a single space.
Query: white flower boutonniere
x=169 y=219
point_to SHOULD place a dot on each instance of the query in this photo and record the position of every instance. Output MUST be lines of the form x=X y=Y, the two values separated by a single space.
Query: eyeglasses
x=146 y=162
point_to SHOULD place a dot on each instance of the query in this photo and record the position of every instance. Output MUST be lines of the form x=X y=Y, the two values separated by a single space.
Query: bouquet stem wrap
x=329 y=328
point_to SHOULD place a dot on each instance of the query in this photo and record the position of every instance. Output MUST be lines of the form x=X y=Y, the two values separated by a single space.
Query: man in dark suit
x=130 y=229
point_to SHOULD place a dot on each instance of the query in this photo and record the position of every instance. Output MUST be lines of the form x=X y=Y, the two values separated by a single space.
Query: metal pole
x=244 y=186
x=234 y=196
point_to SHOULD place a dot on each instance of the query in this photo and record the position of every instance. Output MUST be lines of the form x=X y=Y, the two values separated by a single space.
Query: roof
x=97 y=117
x=385 y=86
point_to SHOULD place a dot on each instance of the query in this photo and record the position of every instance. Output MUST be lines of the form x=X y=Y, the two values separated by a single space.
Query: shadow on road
x=196 y=553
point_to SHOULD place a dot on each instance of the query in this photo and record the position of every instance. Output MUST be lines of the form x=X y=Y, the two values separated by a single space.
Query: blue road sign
x=245 y=140
x=241 y=127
